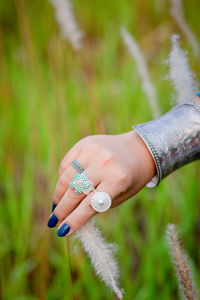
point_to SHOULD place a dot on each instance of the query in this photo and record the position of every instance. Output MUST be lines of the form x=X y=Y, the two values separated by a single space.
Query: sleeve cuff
x=153 y=183
x=173 y=139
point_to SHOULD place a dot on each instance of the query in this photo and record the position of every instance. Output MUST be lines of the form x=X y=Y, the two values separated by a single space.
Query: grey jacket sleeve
x=173 y=139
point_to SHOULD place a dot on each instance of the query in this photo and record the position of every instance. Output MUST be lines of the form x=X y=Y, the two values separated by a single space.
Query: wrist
x=146 y=164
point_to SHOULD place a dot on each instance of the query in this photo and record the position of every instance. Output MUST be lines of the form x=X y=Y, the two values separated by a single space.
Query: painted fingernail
x=53 y=207
x=63 y=230
x=53 y=220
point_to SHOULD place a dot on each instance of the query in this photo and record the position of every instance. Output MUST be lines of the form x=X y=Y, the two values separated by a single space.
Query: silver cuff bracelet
x=173 y=139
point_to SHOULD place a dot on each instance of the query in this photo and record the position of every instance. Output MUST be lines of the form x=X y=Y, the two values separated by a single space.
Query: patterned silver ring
x=100 y=201
x=77 y=166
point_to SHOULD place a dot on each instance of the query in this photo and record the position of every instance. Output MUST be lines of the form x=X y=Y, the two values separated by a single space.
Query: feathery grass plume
x=179 y=72
x=177 y=13
x=68 y=25
x=136 y=53
x=101 y=255
x=180 y=263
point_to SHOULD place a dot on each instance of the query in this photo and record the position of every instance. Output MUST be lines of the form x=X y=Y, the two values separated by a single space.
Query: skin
x=197 y=99
x=119 y=165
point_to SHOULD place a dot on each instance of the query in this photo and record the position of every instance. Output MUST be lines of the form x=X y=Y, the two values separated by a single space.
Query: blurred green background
x=50 y=98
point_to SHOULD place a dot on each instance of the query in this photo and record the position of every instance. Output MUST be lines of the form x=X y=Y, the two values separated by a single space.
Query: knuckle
x=62 y=181
x=90 y=143
x=107 y=157
x=94 y=147
x=122 y=177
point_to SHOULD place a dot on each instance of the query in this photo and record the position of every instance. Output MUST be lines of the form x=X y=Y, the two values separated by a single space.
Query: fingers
x=63 y=184
x=72 y=154
x=85 y=146
x=71 y=199
x=82 y=213
x=66 y=176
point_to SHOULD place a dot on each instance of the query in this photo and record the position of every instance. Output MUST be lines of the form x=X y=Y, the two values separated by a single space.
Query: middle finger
x=71 y=199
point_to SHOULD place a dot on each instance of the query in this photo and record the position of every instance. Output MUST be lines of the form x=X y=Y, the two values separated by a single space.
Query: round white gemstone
x=100 y=201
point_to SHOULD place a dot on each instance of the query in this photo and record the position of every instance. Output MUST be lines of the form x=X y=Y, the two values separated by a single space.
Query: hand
x=119 y=165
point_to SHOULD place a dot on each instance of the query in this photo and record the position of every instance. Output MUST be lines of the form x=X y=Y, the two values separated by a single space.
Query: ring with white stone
x=100 y=201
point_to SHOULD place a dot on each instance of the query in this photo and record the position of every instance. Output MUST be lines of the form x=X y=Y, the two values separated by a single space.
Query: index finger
x=72 y=154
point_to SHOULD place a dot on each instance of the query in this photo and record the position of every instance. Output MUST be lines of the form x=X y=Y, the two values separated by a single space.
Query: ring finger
x=71 y=199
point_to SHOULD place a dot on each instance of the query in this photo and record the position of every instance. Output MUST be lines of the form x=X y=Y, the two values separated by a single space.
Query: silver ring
x=81 y=184
x=77 y=166
x=100 y=201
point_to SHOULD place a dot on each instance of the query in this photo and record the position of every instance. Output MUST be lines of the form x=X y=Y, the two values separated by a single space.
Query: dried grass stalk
x=180 y=73
x=180 y=263
x=148 y=86
x=178 y=15
x=67 y=22
x=101 y=255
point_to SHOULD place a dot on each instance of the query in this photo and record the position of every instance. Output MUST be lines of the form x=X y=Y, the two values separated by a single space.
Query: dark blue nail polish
x=53 y=207
x=53 y=220
x=198 y=94
x=63 y=230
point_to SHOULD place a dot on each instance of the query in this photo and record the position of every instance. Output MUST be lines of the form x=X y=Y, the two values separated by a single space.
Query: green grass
x=51 y=98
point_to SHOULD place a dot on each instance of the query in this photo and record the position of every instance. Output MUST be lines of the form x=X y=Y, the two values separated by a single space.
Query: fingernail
x=53 y=220
x=63 y=230
x=53 y=207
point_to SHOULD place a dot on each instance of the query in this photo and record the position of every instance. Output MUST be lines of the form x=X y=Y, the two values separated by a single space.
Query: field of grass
x=50 y=97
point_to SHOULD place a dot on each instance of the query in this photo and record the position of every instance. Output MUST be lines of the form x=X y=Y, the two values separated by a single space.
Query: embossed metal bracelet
x=173 y=139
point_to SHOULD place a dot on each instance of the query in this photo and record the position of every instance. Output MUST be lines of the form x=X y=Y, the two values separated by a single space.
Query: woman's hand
x=119 y=165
